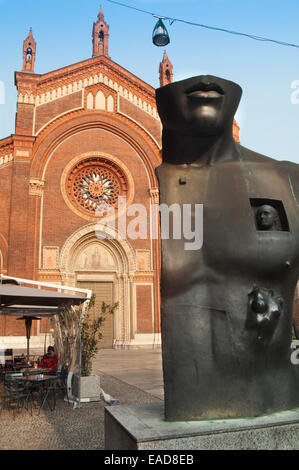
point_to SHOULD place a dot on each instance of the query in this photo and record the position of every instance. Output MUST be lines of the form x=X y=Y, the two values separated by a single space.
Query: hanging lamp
x=160 y=34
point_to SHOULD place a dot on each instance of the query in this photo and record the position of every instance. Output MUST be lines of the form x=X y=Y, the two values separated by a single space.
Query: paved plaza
x=132 y=377
x=141 y=368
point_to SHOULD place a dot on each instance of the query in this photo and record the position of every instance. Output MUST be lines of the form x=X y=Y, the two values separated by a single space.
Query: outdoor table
x=40 y=380
x=24 y=366
x=36 y=370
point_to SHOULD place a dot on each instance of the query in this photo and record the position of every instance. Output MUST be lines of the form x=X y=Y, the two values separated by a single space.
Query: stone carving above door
x=95 y=258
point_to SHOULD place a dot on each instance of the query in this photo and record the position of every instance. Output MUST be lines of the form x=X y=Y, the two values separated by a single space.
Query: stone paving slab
x=138 y=367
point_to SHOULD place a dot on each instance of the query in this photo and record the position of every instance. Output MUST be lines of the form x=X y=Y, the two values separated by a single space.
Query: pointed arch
x=100 y=102
x=89 y=101
x=110 y=104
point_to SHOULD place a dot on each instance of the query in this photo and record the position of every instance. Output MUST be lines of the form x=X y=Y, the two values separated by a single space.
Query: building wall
x=94 y=109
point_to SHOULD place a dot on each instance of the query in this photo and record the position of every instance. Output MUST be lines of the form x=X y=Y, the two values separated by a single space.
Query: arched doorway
x=106 y=266
x=95 y=269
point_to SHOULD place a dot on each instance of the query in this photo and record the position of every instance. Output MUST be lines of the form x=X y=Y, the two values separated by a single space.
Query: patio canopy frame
x=18 y=300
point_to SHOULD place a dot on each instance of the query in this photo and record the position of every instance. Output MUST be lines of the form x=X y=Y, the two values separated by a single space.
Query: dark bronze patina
x=227 y=307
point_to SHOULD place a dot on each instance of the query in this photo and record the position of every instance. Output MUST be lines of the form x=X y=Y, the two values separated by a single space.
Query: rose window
x=95 y=184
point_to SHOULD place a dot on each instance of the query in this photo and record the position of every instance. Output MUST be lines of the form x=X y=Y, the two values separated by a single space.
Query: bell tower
x=100 y=36
x=166 y=71
x=29 y=50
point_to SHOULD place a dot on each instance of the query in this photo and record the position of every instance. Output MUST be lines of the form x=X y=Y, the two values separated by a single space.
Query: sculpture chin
x=208 y=121
x=203 y=121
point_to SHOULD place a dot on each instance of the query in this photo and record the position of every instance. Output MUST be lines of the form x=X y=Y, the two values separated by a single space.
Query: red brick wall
x=45 y=325
x=146 y=120
x=14 y=327
x=20 y=212
x=24 y=119
x=14 y=189
x=46 y=112
x=5 y=195
x=144 y=309
x=18 y=218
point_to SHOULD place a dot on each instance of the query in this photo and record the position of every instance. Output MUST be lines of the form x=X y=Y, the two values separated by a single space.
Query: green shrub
x=91 y=335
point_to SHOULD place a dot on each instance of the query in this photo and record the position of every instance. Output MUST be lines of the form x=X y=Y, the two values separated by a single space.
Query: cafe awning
x=16 y=296
x=29 y=310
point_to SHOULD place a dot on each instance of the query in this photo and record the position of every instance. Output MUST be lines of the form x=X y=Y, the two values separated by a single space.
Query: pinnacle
x=101 y=14
x=165 y=57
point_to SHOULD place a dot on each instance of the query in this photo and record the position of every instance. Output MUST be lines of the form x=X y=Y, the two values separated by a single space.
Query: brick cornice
x=7 y=141
x=82 y=70
x=49 y=275
x=23 y=139
x=23 y=146
x=26 y=77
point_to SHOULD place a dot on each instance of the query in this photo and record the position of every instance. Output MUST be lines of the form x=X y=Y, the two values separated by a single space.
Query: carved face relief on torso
x=267 y=218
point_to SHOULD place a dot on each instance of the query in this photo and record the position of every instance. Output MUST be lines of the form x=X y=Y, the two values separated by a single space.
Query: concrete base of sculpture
x=142 y=427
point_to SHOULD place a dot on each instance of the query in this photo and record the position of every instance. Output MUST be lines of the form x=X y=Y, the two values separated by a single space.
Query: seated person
x=50 y=360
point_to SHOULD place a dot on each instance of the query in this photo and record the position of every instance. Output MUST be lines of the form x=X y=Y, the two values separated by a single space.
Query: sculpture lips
x=205 y=90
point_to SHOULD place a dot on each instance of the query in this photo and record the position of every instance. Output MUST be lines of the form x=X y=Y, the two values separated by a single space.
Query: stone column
x=156 y=255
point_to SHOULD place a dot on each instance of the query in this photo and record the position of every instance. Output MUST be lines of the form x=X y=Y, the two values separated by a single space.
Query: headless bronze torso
x=226 y=308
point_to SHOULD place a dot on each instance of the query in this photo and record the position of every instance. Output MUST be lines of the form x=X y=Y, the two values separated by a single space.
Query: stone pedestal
x=142 y=427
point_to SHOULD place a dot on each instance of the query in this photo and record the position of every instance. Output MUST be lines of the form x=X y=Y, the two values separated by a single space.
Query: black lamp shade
x=160 y=34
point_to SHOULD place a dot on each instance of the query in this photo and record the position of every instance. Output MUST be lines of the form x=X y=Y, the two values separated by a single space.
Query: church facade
x=86 y=135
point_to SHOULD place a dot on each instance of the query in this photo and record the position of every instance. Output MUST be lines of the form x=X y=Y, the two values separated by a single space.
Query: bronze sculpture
x=226 y=308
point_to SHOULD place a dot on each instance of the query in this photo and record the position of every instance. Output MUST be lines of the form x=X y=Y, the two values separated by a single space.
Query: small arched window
x=29 y=53
x=89 y=101
x=100 y=101
x=101 y=36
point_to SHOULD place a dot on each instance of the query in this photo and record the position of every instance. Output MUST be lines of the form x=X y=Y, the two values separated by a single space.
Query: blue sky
x=269 y=121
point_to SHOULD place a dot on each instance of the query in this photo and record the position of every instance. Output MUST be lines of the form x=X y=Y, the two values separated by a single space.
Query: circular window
x=95 y=184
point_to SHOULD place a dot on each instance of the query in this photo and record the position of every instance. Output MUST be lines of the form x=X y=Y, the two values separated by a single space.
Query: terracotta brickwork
x=29 y=52
x=96 y=110
x=148 y=122
x=24 y=119
x=144 y=309
x=165 y=71
x=48 y=111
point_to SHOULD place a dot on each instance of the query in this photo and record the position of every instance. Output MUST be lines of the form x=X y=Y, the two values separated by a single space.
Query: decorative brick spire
x=101 y=14
x=29 y=51
x=166 y=71
x=100 y=36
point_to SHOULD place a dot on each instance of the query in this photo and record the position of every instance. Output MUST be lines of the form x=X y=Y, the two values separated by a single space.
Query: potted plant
x=87 y=386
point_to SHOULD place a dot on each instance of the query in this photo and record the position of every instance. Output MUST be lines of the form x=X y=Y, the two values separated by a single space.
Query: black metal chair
x=60 y=384
x=9 y=359
x=19 y=362
x=15 y=393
